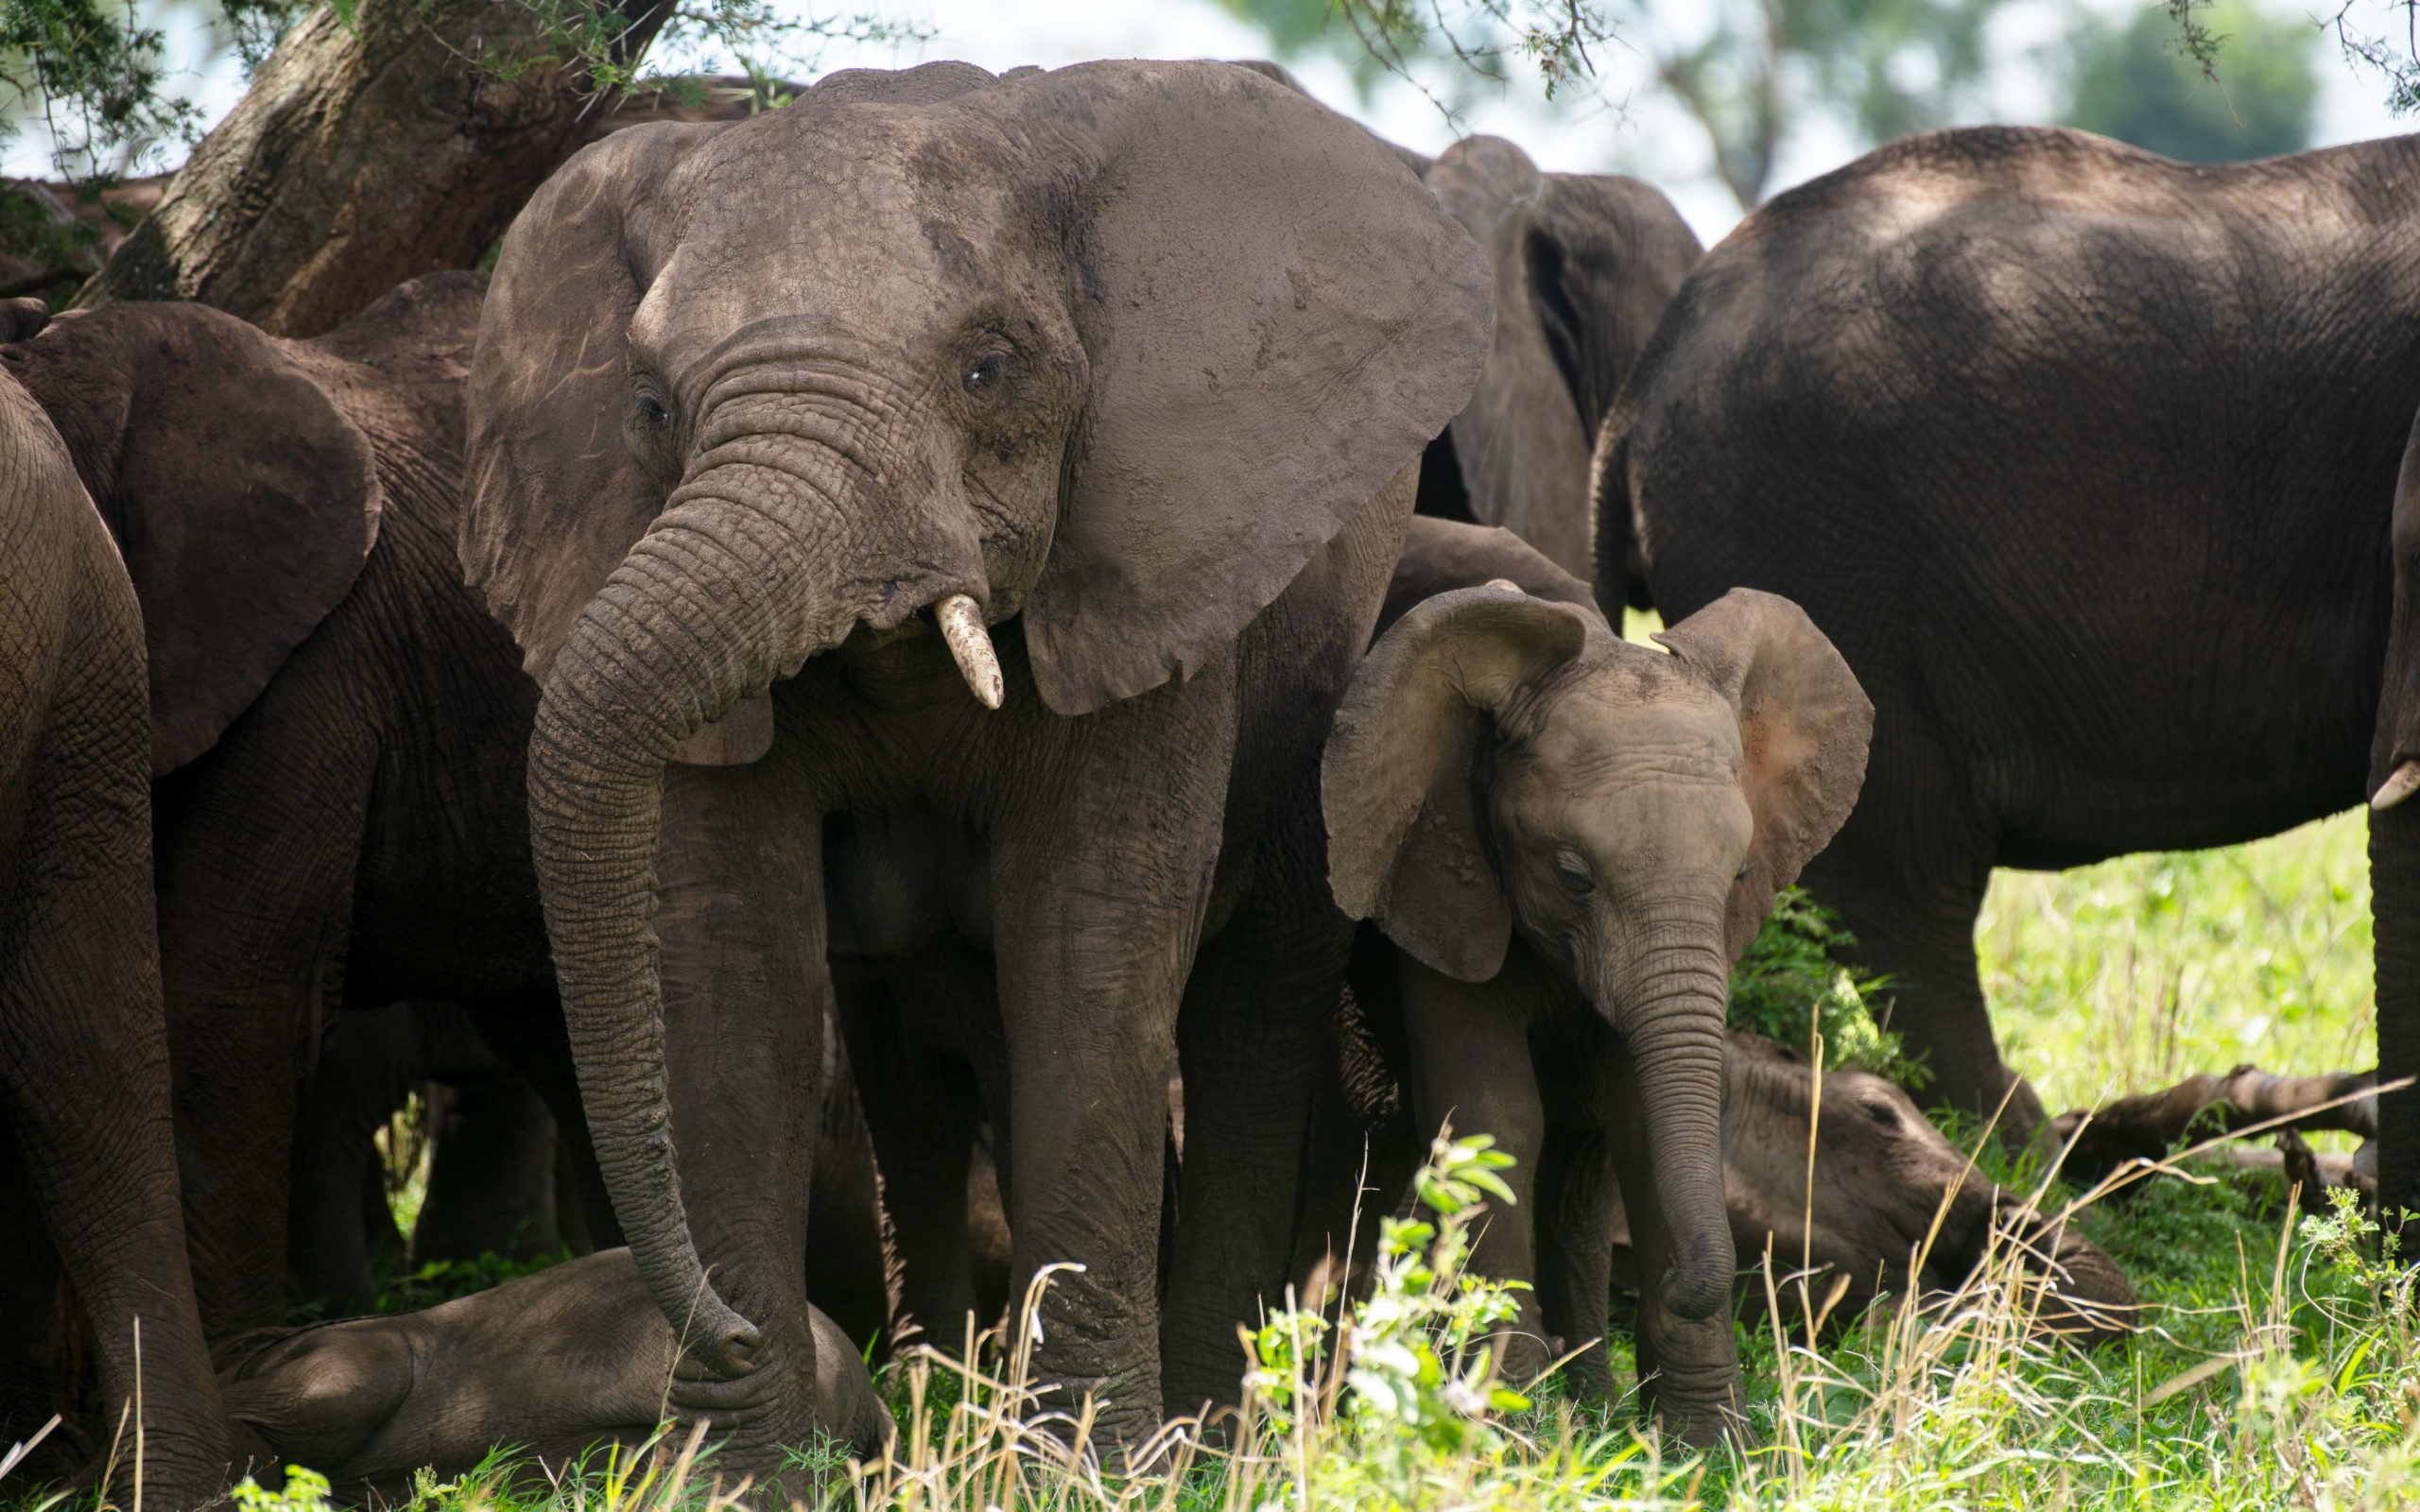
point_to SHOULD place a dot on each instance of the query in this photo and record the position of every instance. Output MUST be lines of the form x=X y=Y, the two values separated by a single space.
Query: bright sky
x=1641 y=135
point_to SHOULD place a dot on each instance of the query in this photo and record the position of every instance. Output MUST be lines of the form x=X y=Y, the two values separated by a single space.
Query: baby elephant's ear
x=1804 y=728
x=243 y=499
x=1397 y=781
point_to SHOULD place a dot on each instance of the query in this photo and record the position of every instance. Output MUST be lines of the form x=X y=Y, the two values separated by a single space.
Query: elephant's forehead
x=827 y=217
x=1632 y=716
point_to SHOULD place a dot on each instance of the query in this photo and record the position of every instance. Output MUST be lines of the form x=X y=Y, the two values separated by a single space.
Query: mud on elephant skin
x=2087 y=462
x=1114 y=376
x=573 y=1356
x=1568 y=840
x=88 y=1179
x=338 y=732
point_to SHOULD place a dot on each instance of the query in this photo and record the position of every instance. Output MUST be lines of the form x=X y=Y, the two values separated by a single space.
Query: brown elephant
x=557 y=1362
x=1124 y=367
x=1568 y=840
x=89 y=1207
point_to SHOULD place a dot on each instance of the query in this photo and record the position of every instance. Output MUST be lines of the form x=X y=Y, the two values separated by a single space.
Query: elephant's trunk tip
x=1699 y=1284
x=2400 y=784
x=970 y=646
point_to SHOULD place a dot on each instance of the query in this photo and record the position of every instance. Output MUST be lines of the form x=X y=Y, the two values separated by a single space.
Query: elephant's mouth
x=744 y=732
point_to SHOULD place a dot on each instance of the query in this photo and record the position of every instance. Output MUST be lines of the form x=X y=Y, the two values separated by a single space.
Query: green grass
x=2278 y=1367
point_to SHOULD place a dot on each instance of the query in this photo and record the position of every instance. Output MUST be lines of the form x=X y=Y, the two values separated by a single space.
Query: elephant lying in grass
x=1568 y=840
x=1889 y=1193
x=555 y=1363
x=88 y=1215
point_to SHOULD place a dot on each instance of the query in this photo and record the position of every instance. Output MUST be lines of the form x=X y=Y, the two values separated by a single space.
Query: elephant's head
x=1504 y=764
x=1887 y=1188
x=1107 y=352
x=243 y=500
x=1584 y=265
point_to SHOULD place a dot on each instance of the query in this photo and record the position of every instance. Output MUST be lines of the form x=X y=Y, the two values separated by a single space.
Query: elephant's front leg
x=1471 y=1067
x=1100 y=888
x=1257 y=1016
x=741 y=930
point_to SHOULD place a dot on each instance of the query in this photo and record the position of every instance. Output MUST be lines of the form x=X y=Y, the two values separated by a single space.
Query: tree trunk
x=361 y=157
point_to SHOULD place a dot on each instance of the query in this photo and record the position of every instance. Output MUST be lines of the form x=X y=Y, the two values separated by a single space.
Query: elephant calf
x=1888 y=1189
x=1568 y=840
x=554 y=1363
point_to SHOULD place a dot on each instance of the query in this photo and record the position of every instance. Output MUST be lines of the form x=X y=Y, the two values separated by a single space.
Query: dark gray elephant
x=1585 y=263
x=2084 y=459
x=556 y=1363
x=1568 y=840
x=339 y=731
x=88 y=1180
x=1126 y=365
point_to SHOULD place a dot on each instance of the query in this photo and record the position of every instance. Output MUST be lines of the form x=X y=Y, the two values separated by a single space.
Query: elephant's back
x=2028 y=420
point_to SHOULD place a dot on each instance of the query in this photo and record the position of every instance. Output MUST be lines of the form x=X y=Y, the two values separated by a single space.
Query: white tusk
x=1504 y=583
x=2397 y=787
x=970 y=646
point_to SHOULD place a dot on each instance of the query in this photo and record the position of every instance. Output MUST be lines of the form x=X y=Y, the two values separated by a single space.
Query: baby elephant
x=1570 y=838
x=553 y=1363
x=1887 y=1188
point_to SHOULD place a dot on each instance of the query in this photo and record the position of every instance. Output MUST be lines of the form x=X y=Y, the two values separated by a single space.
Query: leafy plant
x=1791 y=986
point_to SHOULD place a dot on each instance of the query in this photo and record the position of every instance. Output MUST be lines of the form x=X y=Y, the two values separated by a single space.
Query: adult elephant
x=85 y=1130
x=1126 y=365
x=339 y=731
x=1585 y=263
x=2084 y=459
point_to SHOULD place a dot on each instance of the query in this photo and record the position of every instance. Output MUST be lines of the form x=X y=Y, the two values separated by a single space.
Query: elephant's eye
x=1740 y=875
x=1573 y=872
x=652 y=413
x=985 y=374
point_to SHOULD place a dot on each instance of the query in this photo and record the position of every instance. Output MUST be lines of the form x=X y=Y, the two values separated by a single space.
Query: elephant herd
x=1034 y=635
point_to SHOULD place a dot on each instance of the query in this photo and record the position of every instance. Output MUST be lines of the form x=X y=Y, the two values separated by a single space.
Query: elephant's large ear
x=1404 y=826
x=1277 y=319
x=550 y=383
x=1580 y=277
x=243 y=500
x=1804 y=728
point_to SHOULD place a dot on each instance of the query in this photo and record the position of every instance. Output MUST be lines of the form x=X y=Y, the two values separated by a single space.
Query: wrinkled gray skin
x=1136 y=357
x=1887 y=1186
x=338 y=732
x=1569 y=838
x=88 y=1178
x=554 y=1363
x=1584 y=265
x=2087 y=460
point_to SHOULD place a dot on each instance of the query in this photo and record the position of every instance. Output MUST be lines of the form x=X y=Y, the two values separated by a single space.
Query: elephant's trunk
x=1671 y=1010
x=717 y=600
